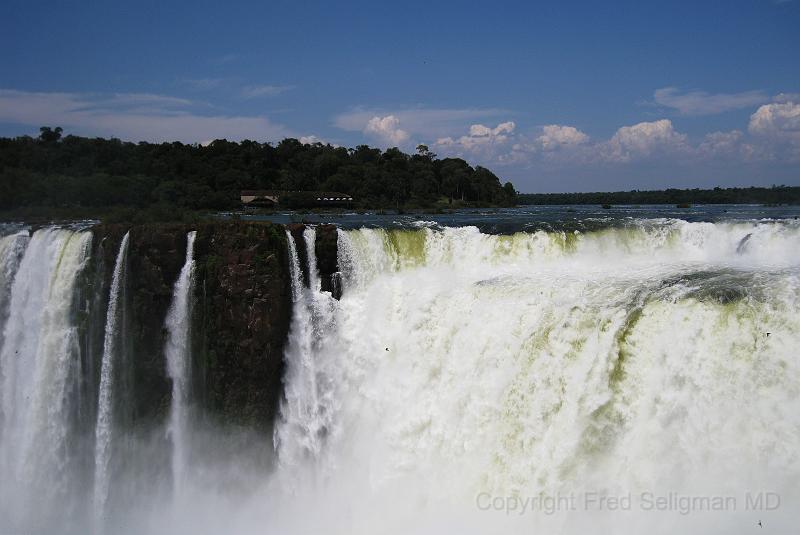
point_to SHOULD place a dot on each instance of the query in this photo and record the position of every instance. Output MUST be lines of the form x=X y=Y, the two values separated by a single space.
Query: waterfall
x=314 y=281
x=549 y=363
x=307 y=407
x=458 y=371
x=178 y=324
x=11 y=249
x=105 y=408
x=38 y=362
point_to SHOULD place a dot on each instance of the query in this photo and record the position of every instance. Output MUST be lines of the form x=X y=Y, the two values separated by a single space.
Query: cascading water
x=626 y=360
x=11 y=249
x=459 y=373
x=178 y=324
x=38 y=361
x=307 y=408
x=105 y=405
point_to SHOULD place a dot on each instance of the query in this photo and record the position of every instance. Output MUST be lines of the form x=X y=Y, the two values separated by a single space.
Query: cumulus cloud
x=132 y=116
x=776 y=127
x=505 y=146
x=311 y=140
x=422 y=123
x=721 y=143
x=555 y=136
x=773 y=133
x=643 y=140
x=702 y=103
x=776 y=119
x=386 y=129
x=480 y=137
x=552 y=143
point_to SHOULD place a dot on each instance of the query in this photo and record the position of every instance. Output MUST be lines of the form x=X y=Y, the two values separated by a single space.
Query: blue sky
x=555 y=96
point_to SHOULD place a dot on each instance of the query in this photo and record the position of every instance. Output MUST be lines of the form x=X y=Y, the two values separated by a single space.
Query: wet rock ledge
x=240 y=320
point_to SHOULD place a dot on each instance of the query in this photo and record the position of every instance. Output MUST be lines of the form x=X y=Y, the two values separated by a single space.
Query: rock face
x=155 y=257
x=326 y=251
x=241 y=315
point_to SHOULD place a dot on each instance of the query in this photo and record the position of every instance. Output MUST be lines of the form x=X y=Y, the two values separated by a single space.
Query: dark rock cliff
x=155 y=256
x=325 y=250
x=241 y=314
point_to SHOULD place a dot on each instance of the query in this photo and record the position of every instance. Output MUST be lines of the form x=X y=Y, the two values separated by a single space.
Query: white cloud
x=776 y=119
x=257 y=91
x=702 y=103
x=776 y=128
x=140 y=99
x=387 y=129
x=721 y=143
x=553 y=143
x=555 y=136
x=480 y=131
x=131 y=116
x=311 y=140
x=480 y=137
x=643 y=140
x=774 y=134
x=423 y=123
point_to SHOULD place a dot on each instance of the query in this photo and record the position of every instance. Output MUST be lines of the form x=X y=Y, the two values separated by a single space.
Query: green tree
x=50 y=135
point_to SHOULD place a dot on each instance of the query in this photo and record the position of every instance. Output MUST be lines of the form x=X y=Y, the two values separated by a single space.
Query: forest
x=753 y=195
x=71 y=173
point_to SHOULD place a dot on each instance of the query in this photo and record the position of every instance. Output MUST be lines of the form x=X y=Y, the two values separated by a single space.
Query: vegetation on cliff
x=77 y=173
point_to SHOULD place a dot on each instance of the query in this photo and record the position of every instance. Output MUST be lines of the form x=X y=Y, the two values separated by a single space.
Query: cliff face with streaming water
x=233 y=376
x=241 y=314
x=99 y=341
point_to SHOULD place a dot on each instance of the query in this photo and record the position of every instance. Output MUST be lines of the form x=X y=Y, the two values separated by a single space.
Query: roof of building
x=273 y=193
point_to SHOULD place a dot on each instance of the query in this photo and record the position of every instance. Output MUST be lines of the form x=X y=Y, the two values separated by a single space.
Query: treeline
x=71 y=171
x=752 y=195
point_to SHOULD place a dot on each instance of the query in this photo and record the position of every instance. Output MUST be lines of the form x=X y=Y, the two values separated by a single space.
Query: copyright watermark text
x=680 y=503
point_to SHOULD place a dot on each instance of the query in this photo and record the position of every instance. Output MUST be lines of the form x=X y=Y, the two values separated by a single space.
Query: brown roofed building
x=292 y=199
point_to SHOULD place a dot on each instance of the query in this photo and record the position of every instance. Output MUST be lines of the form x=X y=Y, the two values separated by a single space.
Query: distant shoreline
x=776 y=195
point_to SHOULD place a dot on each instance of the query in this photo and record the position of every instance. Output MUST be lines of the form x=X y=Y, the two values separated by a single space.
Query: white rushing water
x=38 y=362
x=658 y=360
x=105 y=404
x=11 y=249
x=543 y=382
x=307 y=409
x=178 y=324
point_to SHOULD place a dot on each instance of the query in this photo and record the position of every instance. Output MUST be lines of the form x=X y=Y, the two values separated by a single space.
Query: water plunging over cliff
x=558 y=364
x=458 y=372
x=38 y=361
x=11 y=249
x=111 y=346
x=307 y=411
x=178 y=324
